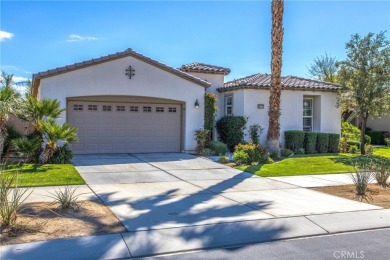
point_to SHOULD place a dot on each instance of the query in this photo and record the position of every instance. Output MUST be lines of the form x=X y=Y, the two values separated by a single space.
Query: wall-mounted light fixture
x=196 y=104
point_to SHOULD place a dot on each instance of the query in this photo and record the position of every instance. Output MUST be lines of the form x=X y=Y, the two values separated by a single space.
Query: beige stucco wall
x=109 y=78
x=380 y=124
x=327 y=117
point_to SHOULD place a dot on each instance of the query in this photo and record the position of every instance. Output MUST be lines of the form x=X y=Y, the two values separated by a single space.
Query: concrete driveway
x=178 y=202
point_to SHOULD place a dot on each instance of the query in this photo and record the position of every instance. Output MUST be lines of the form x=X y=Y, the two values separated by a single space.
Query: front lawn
x=309 y=164
x=32 y=175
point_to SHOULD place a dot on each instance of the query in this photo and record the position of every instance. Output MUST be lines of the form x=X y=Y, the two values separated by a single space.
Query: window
x=133 y=108
x=160 y=109
x=120 y=108
x=78 y=107
x=172 y=109
x=147 y=109
x=92 y=107
x=308 y=114
x=228 y=105
x=106 y=108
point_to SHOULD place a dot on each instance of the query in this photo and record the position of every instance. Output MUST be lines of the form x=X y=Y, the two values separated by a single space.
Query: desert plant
x=62 y=155
x=300 y=151
x=11 y=197
x=66 y=197
x=201 y=136
x=255 y=132
x=219 y=148
x=287 y=153
x=294 y=139
x=240 y=157
x=363 y=175
x=382 y=171
x=223 y=159
x=27 y=147
x=231 y=130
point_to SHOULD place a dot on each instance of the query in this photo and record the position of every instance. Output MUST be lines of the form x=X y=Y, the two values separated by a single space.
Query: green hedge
x=377 y=137
x=294 y=139
x=334 y=140
x=231 y=130
x=310 y=142
x=322 y=142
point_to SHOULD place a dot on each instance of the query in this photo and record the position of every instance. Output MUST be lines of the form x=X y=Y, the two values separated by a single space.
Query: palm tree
x=273 y=133
x=53 y=133
x=8 y=105
x=35 y=110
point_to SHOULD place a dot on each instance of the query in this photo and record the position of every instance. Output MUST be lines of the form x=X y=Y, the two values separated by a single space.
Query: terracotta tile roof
x=263 y=81
x=129 y=52
x=205 y=68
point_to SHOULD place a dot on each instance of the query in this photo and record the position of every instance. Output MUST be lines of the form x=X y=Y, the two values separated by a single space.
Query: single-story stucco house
x=129 y=103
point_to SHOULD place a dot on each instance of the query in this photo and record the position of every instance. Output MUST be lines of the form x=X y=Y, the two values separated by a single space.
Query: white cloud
x=78 y=38
x=5 y=35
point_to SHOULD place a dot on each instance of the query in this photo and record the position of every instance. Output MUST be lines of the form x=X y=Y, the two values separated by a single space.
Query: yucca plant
x=363 y=176
x=11 y=197
x=66 y=197
x=27 y=147
x=53 y=133
x=382 y=171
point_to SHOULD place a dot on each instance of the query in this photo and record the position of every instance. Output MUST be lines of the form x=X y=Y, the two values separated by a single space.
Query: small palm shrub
x=382 y=171
x=11 y=198
x=62 y=155
x=201 y=136
x=66 y=197
x=218 y=148
x=363 y=175
x=27 y=147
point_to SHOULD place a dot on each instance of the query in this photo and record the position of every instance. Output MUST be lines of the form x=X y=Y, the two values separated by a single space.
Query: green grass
x=32 y=175
x=310 y=164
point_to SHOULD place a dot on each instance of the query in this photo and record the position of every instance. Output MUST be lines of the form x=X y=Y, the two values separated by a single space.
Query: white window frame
x=305 y=116
x=226 y=106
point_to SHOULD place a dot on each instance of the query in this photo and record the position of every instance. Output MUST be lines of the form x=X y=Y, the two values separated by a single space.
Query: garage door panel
x=123 y=129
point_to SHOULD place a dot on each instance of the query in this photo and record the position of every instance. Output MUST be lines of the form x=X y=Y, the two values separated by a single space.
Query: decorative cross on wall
x=130 y=72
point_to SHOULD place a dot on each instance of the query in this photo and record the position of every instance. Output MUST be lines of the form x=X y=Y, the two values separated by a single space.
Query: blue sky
x=41 y=35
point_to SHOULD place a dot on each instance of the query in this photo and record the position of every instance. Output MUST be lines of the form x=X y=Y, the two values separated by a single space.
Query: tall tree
x=366 y=75
x=273 y=134
x=324 y=68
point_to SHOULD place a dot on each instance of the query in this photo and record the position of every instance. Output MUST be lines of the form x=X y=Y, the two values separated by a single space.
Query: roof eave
x=233 y=88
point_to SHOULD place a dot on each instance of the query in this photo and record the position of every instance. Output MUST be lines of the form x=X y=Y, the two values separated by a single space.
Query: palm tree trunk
x=273 y=133
x=2 y=141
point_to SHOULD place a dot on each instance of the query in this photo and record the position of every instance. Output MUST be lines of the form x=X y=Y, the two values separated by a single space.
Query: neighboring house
x=129 y=103
x=380 y=124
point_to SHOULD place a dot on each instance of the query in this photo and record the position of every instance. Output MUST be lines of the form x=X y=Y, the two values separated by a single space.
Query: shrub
x=362 y=176
x=376 y=137
x=207 y=152
x=218 y=148
x=310 y=142
x=255 y=132
x=322 y=142
x=66 y=197
x=369 y=149
x=210 y=107
x=255 y=152
x=201 y=136
x=240 y=157
x=231 y=130
x=11 y=135
x=274 y=156
x=353 y=149
x=294 y=139
x=62 y=155
x=387 y=140
x=334 y=140
x=268 y=160
x=27 y=147
x=287 y=153
x=350 y=132
x=223 y=159
x=367 y=139
x=343 y=145
x=299 y=151
x=353 y=143
x=382 y=171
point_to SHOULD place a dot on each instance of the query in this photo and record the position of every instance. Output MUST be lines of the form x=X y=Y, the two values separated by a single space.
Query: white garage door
x=105 y=127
